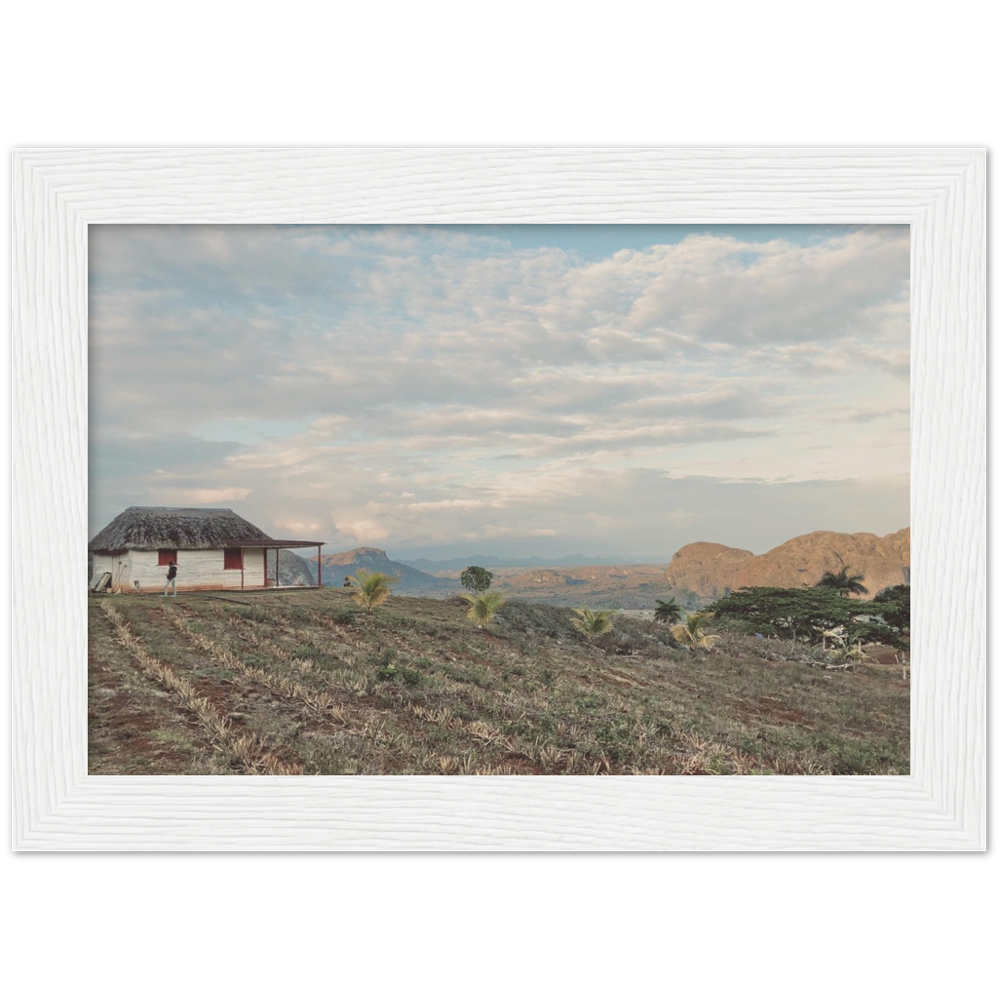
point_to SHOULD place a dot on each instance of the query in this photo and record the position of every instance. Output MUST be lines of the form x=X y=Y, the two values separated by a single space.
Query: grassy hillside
x=634 y=587
x=306 y=682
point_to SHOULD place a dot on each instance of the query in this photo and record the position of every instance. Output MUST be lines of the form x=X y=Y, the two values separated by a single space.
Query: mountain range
x=712 y=570
x=293 y=570
x=698 y=573
x=498 y=562
x=339 y=565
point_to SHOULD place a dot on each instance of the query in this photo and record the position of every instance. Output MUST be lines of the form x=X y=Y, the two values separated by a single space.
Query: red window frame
x=232 y=559
x=167 y=556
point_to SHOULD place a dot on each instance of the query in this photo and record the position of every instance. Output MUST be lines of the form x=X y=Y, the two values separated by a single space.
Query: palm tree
x=668 y=612
x=592 y=623
x=834 y=635
x=484 y=607
x=373 y=588
x=692 y=632
x=843 y=583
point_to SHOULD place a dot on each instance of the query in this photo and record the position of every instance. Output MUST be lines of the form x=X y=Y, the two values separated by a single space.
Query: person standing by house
x=171 y=579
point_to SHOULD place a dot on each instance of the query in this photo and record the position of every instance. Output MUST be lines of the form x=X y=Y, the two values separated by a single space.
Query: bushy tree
x=896 y=601
x=592 y=623
x=776 y=612
x=476 y=579
x=807 y=613
x=871 y=627
x=373 y=588
x=484 y=607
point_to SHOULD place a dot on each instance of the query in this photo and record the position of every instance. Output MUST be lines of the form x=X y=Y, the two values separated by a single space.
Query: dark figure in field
x=171 y=579
x=347 y=582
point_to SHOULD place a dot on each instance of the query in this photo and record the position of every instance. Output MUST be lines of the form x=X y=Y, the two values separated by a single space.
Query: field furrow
x=248 y=748
x=415 y=688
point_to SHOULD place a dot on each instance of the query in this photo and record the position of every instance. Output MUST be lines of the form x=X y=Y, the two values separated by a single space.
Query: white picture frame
x=939 y=192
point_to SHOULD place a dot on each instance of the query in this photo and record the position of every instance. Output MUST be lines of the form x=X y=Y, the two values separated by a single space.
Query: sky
x=435 y=391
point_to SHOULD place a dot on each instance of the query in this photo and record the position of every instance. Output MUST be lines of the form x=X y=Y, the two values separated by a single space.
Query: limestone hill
x=372 y=560
x=711 y=570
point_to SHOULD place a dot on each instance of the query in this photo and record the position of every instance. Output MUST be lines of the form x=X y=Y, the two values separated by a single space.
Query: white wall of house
x=117 y=565
x=196 y=570
x=253 y=567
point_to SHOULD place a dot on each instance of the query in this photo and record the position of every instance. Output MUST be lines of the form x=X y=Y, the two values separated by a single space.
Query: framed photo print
x=499 y=499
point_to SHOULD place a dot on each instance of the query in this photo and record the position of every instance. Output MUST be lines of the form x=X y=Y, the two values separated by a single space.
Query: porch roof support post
x=319 y=567
x=241 y=568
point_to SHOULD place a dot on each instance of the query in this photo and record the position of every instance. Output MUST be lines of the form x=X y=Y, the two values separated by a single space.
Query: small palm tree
x=843 y=583
x=691 y=633
x=667 y=612
x=484 y=607
x=592 y=623
x=835 y=635
x=373 y=588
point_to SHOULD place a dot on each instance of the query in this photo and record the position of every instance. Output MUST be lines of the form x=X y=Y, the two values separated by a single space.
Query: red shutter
x=234 y=559
x=167 y=556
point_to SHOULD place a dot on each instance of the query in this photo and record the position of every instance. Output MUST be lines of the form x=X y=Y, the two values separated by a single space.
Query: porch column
x=319 y=566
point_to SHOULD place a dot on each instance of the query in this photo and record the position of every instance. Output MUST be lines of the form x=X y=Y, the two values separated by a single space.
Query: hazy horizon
x=517 y=391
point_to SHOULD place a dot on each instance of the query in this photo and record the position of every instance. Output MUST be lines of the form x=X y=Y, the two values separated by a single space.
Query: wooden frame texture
x=941 y=193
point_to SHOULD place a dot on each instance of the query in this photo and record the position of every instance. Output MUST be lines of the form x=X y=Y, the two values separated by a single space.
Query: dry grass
x=415 y=688
x=248 y=748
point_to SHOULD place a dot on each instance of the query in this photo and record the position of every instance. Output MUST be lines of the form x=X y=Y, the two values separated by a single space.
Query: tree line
x=808 y=614
x=813 y=614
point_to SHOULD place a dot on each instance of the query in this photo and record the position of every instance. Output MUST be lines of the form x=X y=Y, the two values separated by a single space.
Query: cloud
x=361 y=530
x=398 y=383
x=196 y=497
x=458 y=504
x=298 y=528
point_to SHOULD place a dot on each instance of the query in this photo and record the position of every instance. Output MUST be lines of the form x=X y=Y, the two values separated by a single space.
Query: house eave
x=253 y=543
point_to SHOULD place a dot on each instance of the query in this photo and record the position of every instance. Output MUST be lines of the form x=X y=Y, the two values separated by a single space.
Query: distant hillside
x=631 y=587
x=459 y=563
x=711 y=570
x=703 y=571
x=293 y=570
x=697 y=575
x=372 y=560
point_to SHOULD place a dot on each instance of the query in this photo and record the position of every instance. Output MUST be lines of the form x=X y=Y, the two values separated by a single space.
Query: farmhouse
x=214 y=549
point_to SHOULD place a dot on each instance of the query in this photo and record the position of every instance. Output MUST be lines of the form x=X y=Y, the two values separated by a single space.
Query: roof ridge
x=148 y=528
x=225 y=510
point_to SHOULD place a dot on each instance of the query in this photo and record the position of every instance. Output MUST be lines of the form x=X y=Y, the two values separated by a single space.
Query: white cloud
x=361 y=530
x=300 y=528
x=439 y=379
x=197 y=497
x=459 y=504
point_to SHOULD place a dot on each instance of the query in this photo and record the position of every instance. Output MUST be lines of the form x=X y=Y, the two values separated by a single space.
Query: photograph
x=498 y=499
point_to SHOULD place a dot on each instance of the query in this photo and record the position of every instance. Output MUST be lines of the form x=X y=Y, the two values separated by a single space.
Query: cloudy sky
x=510 y=390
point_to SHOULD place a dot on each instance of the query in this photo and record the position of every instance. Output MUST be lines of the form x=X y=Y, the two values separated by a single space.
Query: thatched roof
x=148 y=528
